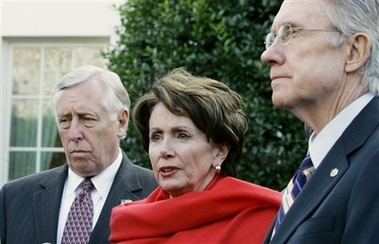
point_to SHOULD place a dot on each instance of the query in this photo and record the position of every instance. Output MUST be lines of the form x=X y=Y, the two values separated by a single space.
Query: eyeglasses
x=285 y=34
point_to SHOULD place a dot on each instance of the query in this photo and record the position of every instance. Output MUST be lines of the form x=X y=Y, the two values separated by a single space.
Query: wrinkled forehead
x=305 y=13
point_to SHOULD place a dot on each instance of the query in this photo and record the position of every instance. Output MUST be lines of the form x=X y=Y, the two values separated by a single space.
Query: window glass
x=23 y=163
x=51 y=160
x=26 y=70
x=50 y=136
x=24 y=123
x=34 y=143
x=57 y=63
x=87 y=55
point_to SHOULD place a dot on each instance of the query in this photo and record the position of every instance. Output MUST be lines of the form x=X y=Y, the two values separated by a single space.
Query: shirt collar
x=102 y=181
x=319 y=145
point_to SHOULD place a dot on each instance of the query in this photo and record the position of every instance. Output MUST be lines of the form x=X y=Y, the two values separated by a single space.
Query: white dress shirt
x=102 y=183
x=319 y=145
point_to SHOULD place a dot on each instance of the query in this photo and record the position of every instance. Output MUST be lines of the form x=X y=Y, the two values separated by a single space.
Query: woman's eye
x=183 y=136
x=155 y=137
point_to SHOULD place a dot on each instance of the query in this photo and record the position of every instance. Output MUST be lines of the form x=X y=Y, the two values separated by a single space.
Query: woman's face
x=180 y=154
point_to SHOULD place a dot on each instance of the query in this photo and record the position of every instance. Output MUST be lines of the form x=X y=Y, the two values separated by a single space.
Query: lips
x=278 y=74
x=167 y=170
x=274 y=77
x=78 y=151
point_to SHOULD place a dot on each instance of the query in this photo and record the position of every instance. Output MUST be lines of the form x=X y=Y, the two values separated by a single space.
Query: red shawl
x=227 y=211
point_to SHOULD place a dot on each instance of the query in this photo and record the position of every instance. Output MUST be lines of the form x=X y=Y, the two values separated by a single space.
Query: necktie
x=293 y=189
x=78 y=226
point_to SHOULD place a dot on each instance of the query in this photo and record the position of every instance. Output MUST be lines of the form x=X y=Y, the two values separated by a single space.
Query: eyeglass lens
x=285 y=34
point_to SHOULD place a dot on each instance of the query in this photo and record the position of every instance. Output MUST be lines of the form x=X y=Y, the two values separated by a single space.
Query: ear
x=221 y=153
x=359 y=52
x=123 y=120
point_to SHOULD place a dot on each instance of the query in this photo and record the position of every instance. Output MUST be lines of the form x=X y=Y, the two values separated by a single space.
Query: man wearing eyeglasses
x=324 y=69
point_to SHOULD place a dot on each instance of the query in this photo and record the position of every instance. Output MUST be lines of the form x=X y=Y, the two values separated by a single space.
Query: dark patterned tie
x=293 y=189
x=78 y=226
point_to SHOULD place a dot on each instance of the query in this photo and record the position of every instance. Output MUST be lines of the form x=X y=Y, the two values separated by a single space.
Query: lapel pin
x=334 y=172
x=126 y=200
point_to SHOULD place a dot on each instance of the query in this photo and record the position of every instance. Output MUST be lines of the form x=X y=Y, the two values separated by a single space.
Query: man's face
x=306 y=73
x=89 y=134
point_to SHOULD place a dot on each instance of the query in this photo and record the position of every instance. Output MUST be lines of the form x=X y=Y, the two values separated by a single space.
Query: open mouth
x=167 y=170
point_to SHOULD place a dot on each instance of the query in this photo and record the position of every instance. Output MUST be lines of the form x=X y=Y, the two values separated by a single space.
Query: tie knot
x=87 y=185
x=307 y=162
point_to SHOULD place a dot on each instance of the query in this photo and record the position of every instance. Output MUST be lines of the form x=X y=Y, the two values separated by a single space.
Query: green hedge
x=220 y=39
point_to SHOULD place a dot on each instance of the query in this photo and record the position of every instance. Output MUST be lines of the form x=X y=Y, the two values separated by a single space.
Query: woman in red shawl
x=193 y=130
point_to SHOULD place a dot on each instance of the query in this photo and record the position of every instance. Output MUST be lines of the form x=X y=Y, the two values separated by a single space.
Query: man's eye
x=64 y=123
x=88 y=119
x=64 y=119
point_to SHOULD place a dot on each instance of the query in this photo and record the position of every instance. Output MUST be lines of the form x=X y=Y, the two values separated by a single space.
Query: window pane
x=21 y=164
x=51 y=160
x=57 y=63
x=26 y=70
x=50 y=137
x=35 y=72
x=88 y=55
x=24 y=123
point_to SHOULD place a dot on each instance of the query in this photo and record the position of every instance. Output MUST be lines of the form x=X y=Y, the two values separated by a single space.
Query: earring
x=217 y=169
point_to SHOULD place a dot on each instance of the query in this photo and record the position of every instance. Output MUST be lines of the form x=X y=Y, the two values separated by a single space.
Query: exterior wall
x=58 y=18
x=48 y=20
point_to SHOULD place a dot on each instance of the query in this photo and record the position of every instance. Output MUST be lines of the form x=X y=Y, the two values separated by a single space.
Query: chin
x=173 y=190
x=278 y=103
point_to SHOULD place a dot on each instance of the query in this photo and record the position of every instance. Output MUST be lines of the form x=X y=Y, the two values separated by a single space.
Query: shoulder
x=128 y=165
x=135 y=176
x=249 y=190
x=32 y=180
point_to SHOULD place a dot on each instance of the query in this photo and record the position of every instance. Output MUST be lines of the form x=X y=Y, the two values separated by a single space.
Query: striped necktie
x=78 y=226
x=293 y=189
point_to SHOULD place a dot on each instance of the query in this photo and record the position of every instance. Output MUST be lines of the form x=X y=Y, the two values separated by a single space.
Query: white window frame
x=6 y=90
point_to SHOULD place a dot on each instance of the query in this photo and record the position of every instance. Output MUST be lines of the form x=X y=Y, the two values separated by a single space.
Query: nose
x=273 y=55
x=264 y=57
x=166 y=150
x=75 y=131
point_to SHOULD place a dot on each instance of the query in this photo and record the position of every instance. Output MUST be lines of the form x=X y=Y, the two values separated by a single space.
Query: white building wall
x=58 y=18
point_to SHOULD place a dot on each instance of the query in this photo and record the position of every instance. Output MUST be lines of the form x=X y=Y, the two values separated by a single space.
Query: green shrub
x=220 y=39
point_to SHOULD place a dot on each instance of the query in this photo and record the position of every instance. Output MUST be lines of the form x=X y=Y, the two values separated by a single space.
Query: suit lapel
x=47 y=203
x=125 y=183
x=323 y=180
x=316 y=189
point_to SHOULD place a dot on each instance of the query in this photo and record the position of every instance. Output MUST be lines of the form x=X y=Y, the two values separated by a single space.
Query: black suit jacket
x=29 y=207
x=340 y=203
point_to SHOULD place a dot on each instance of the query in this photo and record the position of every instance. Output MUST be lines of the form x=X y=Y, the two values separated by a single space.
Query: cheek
x=153 y=156
x=64 y=137
x=201 y=160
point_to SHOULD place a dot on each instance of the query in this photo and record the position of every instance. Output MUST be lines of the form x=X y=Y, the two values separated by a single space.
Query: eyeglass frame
x=270 y=37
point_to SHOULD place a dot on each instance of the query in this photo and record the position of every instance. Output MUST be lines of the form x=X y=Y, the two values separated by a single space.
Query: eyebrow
x=80 y=114
x=173 y=129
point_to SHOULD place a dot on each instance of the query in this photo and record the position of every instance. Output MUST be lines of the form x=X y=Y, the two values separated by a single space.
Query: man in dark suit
x=324 y=66
x=92 y=111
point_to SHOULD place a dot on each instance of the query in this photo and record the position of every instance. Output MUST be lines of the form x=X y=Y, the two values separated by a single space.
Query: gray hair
x=116 y=97
x=358 y=16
